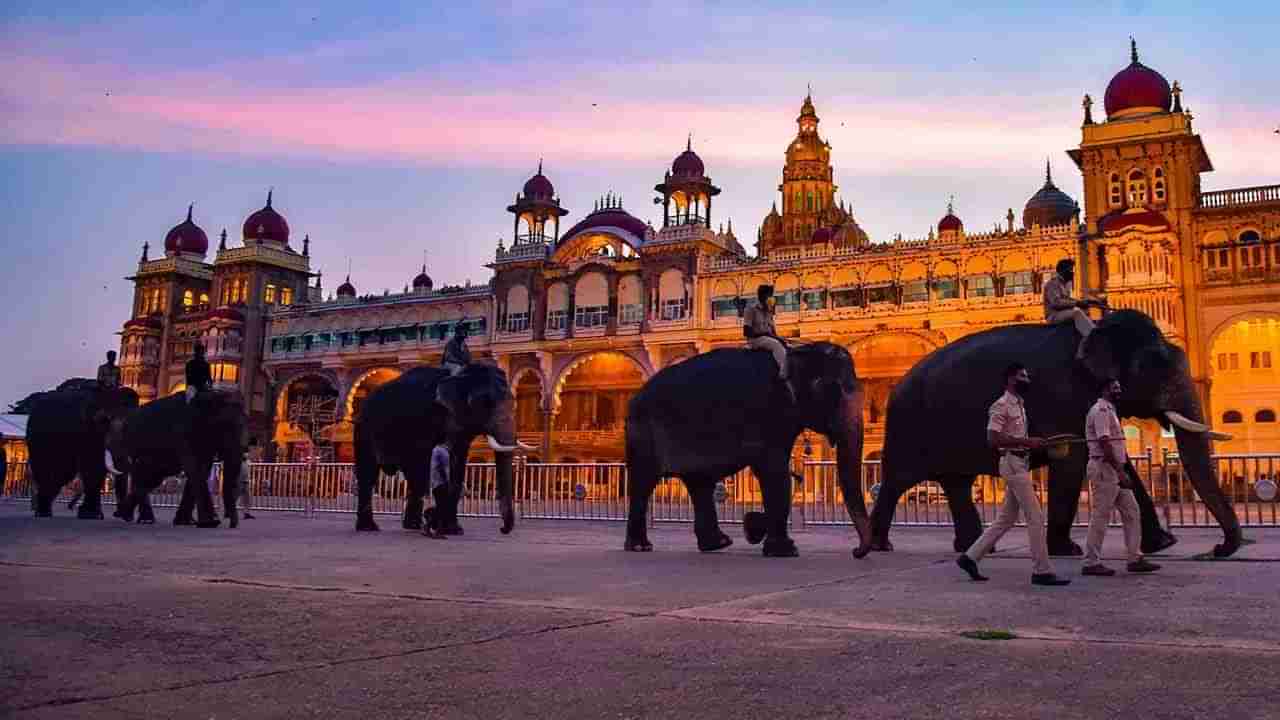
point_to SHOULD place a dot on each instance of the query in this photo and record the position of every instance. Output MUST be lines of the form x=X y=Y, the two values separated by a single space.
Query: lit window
x=880 y=294
x=1158 y=185
x=204 y=299
x=517 y=322
x=981 y=286
x=1018 y=283
x=188 y=299
x=1265 y=416
x=673 y=309
x=723 y=307
x=946 y=289
x=630 y=314
x=591 y=316
x=814 y=299
x=1222 y=361
x=556 y=319
x=269 y=296
x=286 y=296
x=1137 y=189
x=1115 y=190
x=845 y=297
x=1232 y=417
x=1266 y=359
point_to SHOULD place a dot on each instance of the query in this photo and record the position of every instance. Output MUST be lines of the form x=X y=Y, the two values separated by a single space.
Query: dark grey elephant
x=936 y=423
x=717 y=413
x=66 y=435
x=402 y=421
x=169 y=436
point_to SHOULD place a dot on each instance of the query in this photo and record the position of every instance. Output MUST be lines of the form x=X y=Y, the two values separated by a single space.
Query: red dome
x=608 y=217
x=539 y=187
x=186 y=237
x=823 y=235
x=1137 y=89
x=346 y=289
x=267 y=224
x=950 y=222
x=422 y=280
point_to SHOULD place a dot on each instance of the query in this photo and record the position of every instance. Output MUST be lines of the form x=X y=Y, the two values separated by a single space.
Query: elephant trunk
x=1194 y=455
x=848 y=441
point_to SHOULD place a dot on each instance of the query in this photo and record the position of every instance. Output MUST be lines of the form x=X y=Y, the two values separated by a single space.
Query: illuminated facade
x=580 y=318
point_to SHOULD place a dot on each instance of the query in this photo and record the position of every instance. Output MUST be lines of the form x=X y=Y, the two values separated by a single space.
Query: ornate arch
x=583 y=357
x=519 y=374
x=1226 y=324
x=349 y=395
x=283 y=383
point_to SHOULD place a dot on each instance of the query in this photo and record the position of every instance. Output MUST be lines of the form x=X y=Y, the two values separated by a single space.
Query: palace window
x=915 y=291
x=1260 y=360
x=981 y=286
x=269 y=295
x=845 y=297
x=879 y=294
x=1137 y=189
x=556 y=319
x=286 y=296
x=723 y=307
x=346 y=339
x=188 y=299
x=1157 y=187
x=1232 y=417
x=1116 y=195
x=1265 y=415
x=204 y=299
x=517 y=322
x=946 y=289
x=1018 y=283
x=630 y=314
x=814 y=299
x=591 y=316
x=1228 y=361
x=673 y=309
x=788 y=301
x=808 y=202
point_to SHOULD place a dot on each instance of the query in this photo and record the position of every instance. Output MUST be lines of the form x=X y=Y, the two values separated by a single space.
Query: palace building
x=580 y=318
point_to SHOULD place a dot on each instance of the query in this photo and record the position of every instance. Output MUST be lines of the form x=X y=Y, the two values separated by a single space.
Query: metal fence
x=600 y=491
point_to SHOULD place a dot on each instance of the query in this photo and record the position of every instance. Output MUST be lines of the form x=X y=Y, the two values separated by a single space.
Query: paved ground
x=292 y=617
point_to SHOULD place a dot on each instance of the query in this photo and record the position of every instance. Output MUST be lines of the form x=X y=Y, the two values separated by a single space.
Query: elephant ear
x=1101 y=356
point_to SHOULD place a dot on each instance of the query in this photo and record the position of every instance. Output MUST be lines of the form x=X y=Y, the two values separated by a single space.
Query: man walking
x=762 y=334
x=1109 y=486
x=252 y=454
x=1060 y=307
x=1007 y=434
x=439 y=473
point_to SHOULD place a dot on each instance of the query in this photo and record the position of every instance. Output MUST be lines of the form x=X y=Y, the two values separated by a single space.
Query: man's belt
x=1017 y=453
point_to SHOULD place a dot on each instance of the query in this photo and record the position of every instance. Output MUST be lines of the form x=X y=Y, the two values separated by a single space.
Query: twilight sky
x=390 y=128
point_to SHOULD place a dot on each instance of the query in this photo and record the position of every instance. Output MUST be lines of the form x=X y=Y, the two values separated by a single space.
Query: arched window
x=1157 y=187
x=1137 y=188
x=1116 y=195
x=1265 y=415
x=1232 y=417
x=204 y=299
x=808 y=201
x=1252 y=255
x=1250 y=236
x=188 y=299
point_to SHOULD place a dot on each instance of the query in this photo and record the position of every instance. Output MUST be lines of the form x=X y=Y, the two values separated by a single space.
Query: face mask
x=1068 y=277
x=1022 y=386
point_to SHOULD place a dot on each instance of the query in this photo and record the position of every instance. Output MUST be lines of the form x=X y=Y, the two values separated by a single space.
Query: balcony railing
x=1240 y=196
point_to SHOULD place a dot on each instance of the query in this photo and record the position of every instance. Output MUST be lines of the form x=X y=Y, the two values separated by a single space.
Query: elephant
x=402 y=421
x=169 y=436
x=715 y=413
x=937 y=416
x=66 y=436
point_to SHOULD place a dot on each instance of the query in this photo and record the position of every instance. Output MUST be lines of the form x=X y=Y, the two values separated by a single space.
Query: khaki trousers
x=1019 y=494
x=1083 y=324
x=1106 y=494
x=764 y=342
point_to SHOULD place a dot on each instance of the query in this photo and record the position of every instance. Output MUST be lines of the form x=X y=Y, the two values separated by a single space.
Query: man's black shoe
x=1098 y=570
x=1048 y=579
x=1141 y=565
x=967 y=564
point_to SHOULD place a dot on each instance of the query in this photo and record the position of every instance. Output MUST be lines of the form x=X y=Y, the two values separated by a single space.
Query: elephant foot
x=146 y=516
x=183 y=520
x=411 y=522
x=44 y=513
x=1163 y=541
x=211 y=523
x=755 y=527
x=89 y=513
x=452 y=528
x=783 y=547
x=1068 y=549
x=1228 y=548
x=638 y=545
x=365 y=523
x=881 y=545
x=719 y=543
x=233 y=522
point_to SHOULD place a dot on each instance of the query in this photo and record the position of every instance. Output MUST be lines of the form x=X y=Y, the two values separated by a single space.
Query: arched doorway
x=365 y=384
x=306 y=413
x=880 y=361
x=591 y=398
x=529 y=412
x=1244 y=369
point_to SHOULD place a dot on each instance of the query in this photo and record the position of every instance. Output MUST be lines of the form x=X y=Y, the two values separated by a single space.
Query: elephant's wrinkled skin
x=402 y=421
x=716 y=413
x=168 y=436
x=937 y=418
x=66 y=435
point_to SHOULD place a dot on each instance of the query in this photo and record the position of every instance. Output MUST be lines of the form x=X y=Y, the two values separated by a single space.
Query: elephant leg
x=964 y=515
x=774 y=476
x=48 y=483
x=186 y=512
x=1065 y=477
x=643 y=478
x=146 y=514
x=1154 y=537
x=198 y=480
x=91 y=485
x=893 y=483
x=706 y=525
x=416 y=480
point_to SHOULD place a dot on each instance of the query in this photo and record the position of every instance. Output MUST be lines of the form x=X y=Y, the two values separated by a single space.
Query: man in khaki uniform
x=762 y=334
x=1007 y=434
x=1060 y=307
x=1108 y=486
x=109 y=372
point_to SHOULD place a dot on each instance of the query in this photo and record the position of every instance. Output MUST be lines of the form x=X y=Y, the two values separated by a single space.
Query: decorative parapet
x=1262 y=194
x=444 y=294
x=522 y=253
x=264 y=254
x=176 y=264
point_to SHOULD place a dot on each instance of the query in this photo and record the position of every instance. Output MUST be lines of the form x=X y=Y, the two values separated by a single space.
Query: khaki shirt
x=1101 y=427
x=1008 y=415
x=108 y=375
x=1057 y=296
x=759 y=318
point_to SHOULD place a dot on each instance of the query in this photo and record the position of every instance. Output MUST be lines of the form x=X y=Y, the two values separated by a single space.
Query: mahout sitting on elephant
x=172 y=435
x=716 y=413
x=402 y=421
x=936 y=421
x=66 y=435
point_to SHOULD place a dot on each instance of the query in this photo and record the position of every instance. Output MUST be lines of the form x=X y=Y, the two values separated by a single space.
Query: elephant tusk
x=1186 y=423
x=110 y=463
x=525 y=447
x=1215 y=435
x=499 y=447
